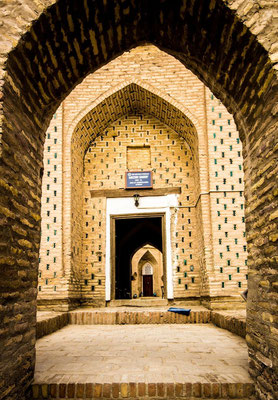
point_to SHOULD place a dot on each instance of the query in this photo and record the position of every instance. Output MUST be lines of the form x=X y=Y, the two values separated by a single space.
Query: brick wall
x=51 y=270
x=220 y=251
x=105 y=164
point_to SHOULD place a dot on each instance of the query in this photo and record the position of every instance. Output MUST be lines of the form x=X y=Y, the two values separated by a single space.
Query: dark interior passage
x=132 y=234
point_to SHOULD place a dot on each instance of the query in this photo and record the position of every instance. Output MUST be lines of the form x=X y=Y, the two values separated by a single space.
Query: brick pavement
x=141 y=353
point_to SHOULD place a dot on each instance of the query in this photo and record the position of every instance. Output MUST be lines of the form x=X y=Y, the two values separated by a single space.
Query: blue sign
x=139 y=180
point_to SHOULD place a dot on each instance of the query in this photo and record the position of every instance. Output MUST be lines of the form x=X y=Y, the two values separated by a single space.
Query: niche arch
x=148 y=255
x=130 y=98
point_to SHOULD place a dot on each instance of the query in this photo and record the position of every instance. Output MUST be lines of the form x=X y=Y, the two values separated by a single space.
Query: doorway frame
x=113 y=219
x=151 y=206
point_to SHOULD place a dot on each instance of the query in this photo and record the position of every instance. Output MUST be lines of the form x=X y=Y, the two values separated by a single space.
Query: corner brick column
x=261 y=154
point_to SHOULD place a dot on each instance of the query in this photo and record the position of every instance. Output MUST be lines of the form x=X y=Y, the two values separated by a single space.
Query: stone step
x=134 y=390
x=48 y=322
x=140 y=302
x=135 y=317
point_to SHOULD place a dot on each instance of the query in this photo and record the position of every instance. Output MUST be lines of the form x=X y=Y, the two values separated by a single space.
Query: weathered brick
x=88 y=390
x=97 y=390
x=132 y=389
x=62 y=390
x=178 y=389
x=170 y=391
x=141 y=389
x=196 y=389
x=80 y=390
x=151 y=389
x=106 y=390
x=124 y=390
x=71 y=390
x=54 y=390
x=115 y=390
x=161 y=389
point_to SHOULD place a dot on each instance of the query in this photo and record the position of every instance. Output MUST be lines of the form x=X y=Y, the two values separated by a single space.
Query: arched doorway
x=131 y=234
x=147 y=260
x=147 y=275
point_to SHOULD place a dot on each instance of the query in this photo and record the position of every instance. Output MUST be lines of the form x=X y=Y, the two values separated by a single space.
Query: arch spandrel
x=54 y=72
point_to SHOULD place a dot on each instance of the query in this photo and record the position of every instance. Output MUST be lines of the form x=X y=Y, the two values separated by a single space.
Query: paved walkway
x=141 y=353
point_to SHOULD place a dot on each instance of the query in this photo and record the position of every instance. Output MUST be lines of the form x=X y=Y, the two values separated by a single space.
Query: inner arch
x=127 y=100
x=132 y=98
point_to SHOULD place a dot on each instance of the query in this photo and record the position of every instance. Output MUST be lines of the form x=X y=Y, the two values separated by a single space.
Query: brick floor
x=141 y=353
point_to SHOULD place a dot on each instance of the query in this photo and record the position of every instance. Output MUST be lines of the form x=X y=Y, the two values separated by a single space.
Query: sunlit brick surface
x=142 y=353
x=209 y=253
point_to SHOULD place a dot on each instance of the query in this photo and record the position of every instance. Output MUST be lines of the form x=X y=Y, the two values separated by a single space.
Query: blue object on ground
x=183 y=311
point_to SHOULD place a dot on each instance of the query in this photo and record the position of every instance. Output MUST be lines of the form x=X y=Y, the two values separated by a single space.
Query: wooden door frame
x=113 y=219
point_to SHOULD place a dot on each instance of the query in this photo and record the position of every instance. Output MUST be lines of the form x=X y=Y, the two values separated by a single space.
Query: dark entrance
x=147 y=285
x=130 y=235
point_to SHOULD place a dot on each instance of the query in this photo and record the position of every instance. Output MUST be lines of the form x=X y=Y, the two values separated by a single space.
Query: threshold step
x=131 y=390
x=136 y=317
x=140 y=302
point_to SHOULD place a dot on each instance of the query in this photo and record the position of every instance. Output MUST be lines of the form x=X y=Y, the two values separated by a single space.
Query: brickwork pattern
x=142 y=390
x=147 y=62
x=123 y=102
x=227 y=210
x=51 y=269
x=157 y=356
x=172 y=165
x=233 y=321
x=51 y=324
x=134 y=318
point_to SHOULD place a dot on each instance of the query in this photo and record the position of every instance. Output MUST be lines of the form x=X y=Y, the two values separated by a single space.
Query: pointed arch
x=122 y=100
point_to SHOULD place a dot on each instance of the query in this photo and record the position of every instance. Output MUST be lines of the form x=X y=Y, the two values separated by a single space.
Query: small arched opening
x=147 y=272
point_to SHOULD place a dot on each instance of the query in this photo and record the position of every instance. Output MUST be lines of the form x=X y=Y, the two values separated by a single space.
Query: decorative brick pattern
x=105 y=164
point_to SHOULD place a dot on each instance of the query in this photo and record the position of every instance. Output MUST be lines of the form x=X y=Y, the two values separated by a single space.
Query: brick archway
x=147 y=257
x=113 y=105
x=131 y=96
x=230 y=46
